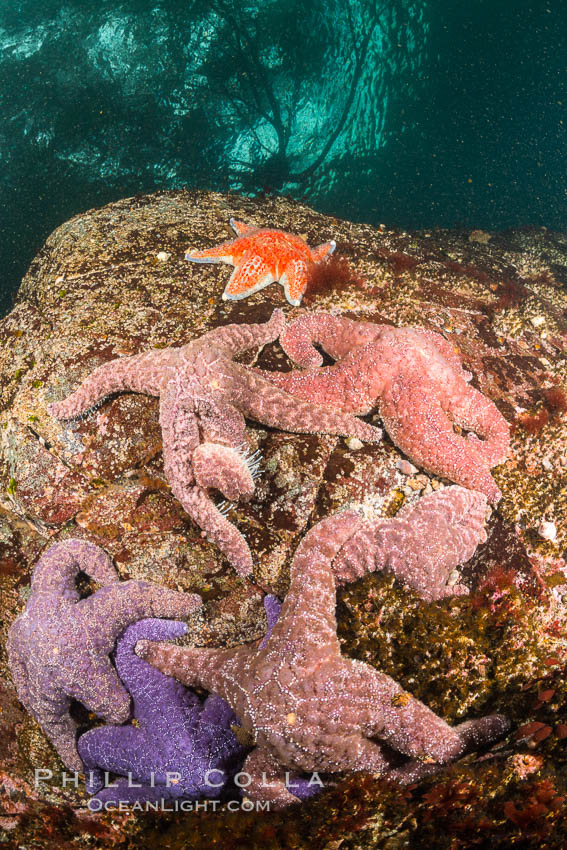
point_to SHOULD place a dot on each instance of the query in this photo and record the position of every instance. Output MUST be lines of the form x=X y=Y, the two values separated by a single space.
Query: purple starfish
x=59 y=647
x=177 y=748
x=174 y=734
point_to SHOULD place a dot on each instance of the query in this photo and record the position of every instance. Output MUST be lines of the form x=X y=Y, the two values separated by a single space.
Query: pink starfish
x=262 y=256
x=306 y=706
x=417 y=379
x=204 y=397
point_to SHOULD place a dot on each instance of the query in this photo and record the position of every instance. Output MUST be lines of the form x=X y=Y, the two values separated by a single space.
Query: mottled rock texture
x=97 y=291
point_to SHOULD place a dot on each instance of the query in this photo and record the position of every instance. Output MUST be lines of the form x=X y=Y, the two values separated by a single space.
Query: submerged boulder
x=114 y=281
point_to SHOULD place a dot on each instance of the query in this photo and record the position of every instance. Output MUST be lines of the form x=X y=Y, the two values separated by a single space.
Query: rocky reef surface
x=114 y=281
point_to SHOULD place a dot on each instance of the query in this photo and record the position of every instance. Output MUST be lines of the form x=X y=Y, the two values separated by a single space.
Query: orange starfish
x=261 y=257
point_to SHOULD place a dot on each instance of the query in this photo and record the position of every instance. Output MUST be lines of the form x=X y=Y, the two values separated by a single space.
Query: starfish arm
x=180 y=435
x=408 y=726
x=180 y=440
x=242 y=229
x=224 y=469
x=138 y=373
x=294 y=281
x=251 y=275
x=264 y=402
x=89 y=677
x=267 y=780
x=117 y=606
x=320 y=252
x=361 y=554
x=220 y=460
x=220 y=422
x=307 y=619
x=446 y=348
x=62 y=734
x=469 y=408
x=229 y=252
x=472 y=734
x=217 y=713
x=18 y=667
x=303 y=788
x=272 y=607
x=51 y=710
x=116 y=749
x=337 y=387
x=216 y=528
x=57 y=568
x=422 y=545
x=94 y=777
x=193 y=667
x=417 y=424
x=405 y=723
x=337 y=335
x=236 y=338
x=439 y=533
x=481 y=731
x=157 y=698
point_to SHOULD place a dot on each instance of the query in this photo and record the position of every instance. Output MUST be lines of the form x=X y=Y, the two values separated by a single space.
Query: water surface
x=410 y=112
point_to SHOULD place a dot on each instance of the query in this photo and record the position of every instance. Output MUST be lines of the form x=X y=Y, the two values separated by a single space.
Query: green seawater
x=412 y=112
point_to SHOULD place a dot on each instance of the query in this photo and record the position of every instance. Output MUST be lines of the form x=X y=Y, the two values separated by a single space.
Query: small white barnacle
x=547 y=530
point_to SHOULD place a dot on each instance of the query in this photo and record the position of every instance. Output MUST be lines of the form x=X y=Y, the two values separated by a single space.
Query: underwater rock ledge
x=114 y=281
